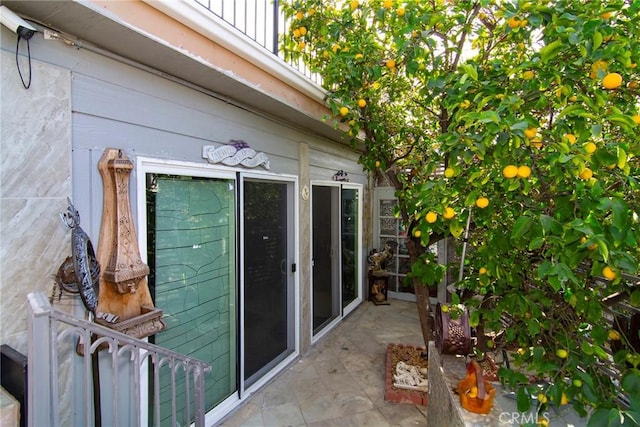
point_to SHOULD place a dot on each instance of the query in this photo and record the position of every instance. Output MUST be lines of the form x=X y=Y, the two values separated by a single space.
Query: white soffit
x=205 y=22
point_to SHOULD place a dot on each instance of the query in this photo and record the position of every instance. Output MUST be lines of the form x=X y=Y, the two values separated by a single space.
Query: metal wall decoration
x=237 y=152
x=341 y=176
x=80 y=273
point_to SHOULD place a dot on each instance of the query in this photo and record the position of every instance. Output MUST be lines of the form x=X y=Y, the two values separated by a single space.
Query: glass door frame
x=360 y=259
x=146 y=165
x=292 y=181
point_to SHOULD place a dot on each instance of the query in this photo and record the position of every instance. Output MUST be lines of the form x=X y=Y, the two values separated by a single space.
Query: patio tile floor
x=340 y=380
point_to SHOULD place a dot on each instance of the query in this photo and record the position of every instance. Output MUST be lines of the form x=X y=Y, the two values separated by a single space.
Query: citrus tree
x=518 y=121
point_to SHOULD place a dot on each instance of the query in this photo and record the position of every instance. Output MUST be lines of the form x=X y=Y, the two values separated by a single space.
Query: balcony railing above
x=260 y=20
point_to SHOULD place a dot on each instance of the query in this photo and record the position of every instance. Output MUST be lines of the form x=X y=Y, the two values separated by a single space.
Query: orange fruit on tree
x=417 y=233
x=387 y=4
x=299 y=15
x=482 y=202
x=431 y=217
x=562 y=353
x=608 y=273
x=528 y=75
x=303 y=31
x=590 y=147
x=524 y=171
x=513 y=22
x=586 y=174
x=612 y=81
x=344 y=111
x=400 y=11
x=531 y=132
x=449 y=172
x=571 y=138
x=510 y=171
x=636 y=119
x=391 y=63
x=482 y=271
x=448 y=213
x=354 y=4
x=614 y=335
x=362 y=103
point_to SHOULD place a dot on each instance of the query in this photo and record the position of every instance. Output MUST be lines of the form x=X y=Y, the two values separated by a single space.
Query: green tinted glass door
x=191 y=247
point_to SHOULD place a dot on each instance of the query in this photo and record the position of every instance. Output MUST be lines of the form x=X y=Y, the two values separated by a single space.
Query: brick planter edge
x=399 y=395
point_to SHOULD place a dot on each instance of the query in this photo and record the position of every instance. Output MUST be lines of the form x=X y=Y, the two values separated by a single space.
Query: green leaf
x=597 y=39
x=489 y=116
x=471 y=71
x=635 y=298
x=522 y=125
x=622 y=157
x=572 y=110
x=622 y=120
x=543 y=269
x=631 y=383
x=536 y=243
x=523 y=399
x=550 y=51
x=599 y=418
x=550 y=225
x=520 y=228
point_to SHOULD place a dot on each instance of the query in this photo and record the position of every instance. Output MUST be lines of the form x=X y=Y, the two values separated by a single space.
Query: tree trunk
x=424 y=310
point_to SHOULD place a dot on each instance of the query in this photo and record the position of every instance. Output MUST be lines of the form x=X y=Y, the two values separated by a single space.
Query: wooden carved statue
x=123 y=284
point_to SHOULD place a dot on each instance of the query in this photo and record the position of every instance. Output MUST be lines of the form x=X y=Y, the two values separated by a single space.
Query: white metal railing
x=99 y=352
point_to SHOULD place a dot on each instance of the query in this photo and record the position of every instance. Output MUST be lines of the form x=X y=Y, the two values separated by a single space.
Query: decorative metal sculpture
x=82 y=265
x=377 y=260
x=341 y=176
x=237 y=152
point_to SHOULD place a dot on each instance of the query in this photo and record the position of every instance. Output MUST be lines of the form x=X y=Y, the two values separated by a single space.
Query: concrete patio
x=340 y=381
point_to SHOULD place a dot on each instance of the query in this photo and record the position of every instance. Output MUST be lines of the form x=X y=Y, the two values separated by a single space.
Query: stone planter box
x=445 y=371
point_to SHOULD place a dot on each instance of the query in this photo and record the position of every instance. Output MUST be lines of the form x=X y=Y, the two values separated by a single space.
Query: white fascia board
x=205 y=22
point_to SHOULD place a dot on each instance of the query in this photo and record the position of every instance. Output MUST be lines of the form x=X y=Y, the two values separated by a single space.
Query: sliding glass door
x=268 y=275
x=222 y=264
x=336 y=252
x=192 y=255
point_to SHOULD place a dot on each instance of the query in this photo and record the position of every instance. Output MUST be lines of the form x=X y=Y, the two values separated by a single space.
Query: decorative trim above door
x=237 y=152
